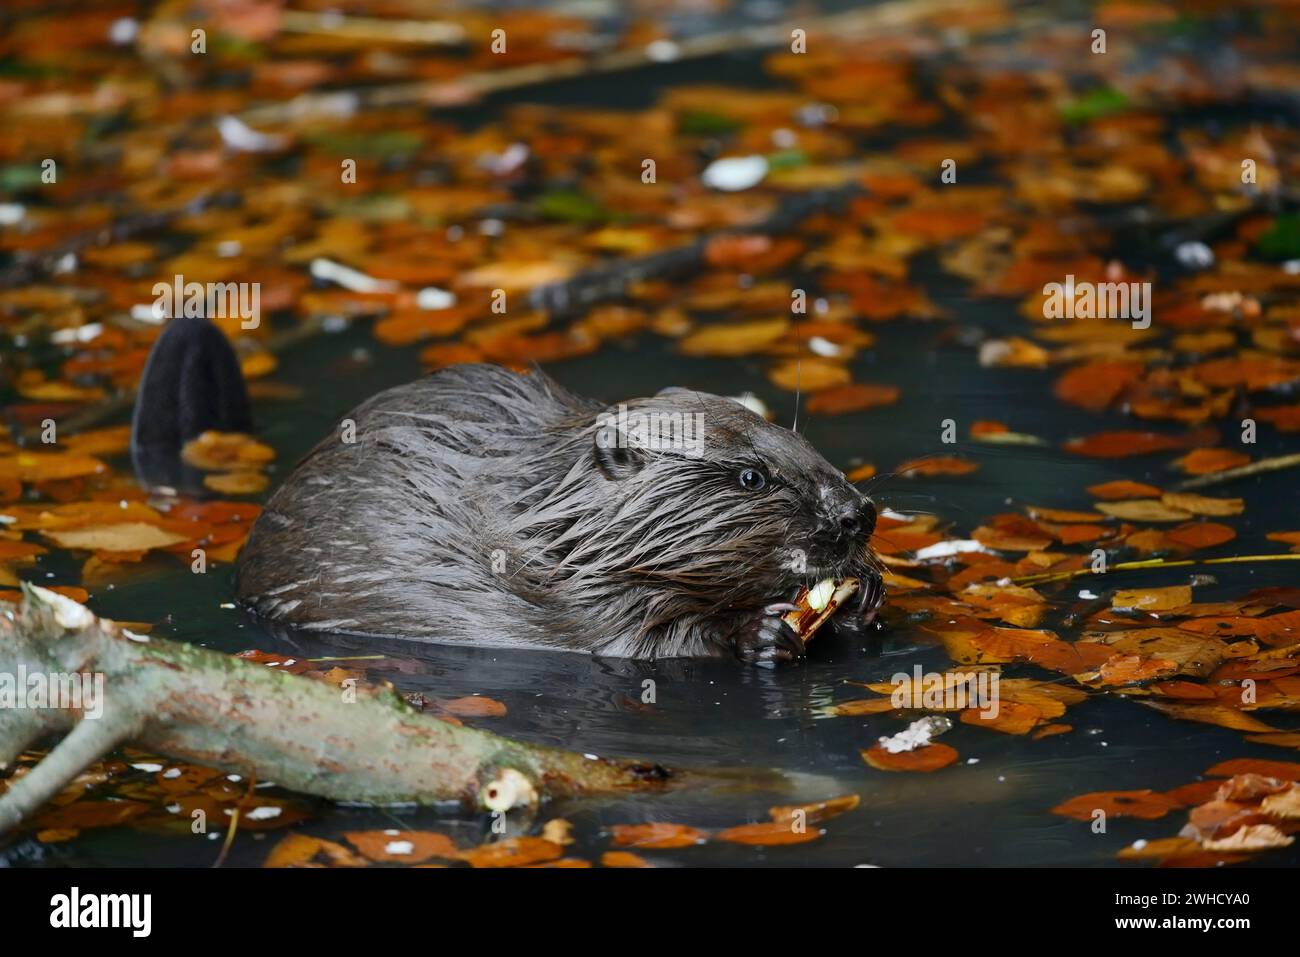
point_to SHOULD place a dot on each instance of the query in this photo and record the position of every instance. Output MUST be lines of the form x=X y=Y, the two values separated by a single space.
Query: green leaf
x=701 y=123
x=570 y=206
x=1103 y=101
x=1282 y=240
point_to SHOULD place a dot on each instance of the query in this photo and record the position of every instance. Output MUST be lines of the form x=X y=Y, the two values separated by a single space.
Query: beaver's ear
x=617 y=456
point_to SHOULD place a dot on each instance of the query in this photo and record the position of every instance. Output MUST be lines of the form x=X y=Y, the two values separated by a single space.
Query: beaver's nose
x=859 y=520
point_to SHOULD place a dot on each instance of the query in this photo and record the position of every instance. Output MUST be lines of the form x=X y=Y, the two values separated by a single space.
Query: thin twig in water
x=1151 y=563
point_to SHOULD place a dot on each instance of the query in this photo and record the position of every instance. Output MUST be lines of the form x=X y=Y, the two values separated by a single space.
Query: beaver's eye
x=752 y=480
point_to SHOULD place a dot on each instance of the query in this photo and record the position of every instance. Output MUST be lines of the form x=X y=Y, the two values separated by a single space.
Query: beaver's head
x=718 y=506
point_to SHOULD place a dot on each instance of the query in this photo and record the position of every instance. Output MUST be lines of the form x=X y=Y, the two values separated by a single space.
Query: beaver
x=485 y=505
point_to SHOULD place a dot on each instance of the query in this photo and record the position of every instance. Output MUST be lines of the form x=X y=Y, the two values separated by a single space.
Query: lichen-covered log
x=209 y=708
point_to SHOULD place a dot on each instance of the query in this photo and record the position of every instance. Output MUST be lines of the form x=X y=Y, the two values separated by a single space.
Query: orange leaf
x=513 y=852
x=657 y=835
x=852 y=398
x=623 y=859
x=1146 y=804
x=931 y=757
x=1123 y=489
x=769 y=834
x=1205 y=461
x=937 y=465
x=474 y=706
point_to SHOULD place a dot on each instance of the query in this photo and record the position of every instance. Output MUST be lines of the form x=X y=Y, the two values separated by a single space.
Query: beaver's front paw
x=767 y=640
x=858 y=618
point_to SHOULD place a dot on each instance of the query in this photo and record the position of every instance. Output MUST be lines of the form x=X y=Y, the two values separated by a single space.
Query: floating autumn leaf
x=49 y=466
x=808 y=375
x=1122 y=489
x=623 y=859
x=128 y=537
x=1285 y=804
x=513 y=852
x=1117 y=445
x=937 y=465
x=1286 y=418
x=1200 y=535
x=1203 y=505
x=1152 y=599
x=852 y=398
x=403 y=847
x=1281 y=770
x=1145 y=804
x=242 y=482
x=1095 y=385
x=1215 y=714
x=931 y=757
x=1014 y=604
x=1144 y=510
x=659 y=835
x=1253 y=837
x=223 y=451
x=83 y=815
x=1281 y=629
x=734 y=339
x=302 y=850
x=769 y=834
x=475 y=706
x=1011 y=717
x=1208 y=461
x=517 y=276
x=816 y=812
x=1062 y=515
x=1189 y=654
x=1288 y=538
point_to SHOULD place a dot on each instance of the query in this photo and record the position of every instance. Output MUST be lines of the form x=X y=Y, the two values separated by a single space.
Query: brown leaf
x=302 y=850
x=403 y=847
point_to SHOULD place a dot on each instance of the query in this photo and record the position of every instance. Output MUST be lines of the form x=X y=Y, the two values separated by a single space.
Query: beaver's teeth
x=820 y=595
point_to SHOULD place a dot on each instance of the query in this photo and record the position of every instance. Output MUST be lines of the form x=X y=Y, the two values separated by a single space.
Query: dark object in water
x=191 y=384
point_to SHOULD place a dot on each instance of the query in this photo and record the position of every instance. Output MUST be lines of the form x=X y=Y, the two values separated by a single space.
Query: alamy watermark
x=947 y=691
x=651 y=429
x=214 y=300
x=38 y=690
x=1102 y=300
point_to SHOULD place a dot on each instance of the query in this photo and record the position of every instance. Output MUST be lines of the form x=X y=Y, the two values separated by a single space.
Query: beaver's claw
x=767 y=639
x=857 y=619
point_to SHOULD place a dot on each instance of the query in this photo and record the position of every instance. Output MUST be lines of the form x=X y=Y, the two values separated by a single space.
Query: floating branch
x=201 y=706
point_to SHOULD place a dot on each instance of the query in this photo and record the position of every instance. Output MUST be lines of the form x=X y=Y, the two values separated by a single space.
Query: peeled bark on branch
x=201 y=706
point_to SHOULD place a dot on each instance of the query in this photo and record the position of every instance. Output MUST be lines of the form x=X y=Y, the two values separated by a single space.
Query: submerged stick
x=1151 y=563
x=198 y=705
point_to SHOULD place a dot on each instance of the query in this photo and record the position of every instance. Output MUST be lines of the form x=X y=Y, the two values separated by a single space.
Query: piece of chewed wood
x=806 y=619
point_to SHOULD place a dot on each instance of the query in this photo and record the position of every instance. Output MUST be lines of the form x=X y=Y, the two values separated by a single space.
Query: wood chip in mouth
x=818 y=603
